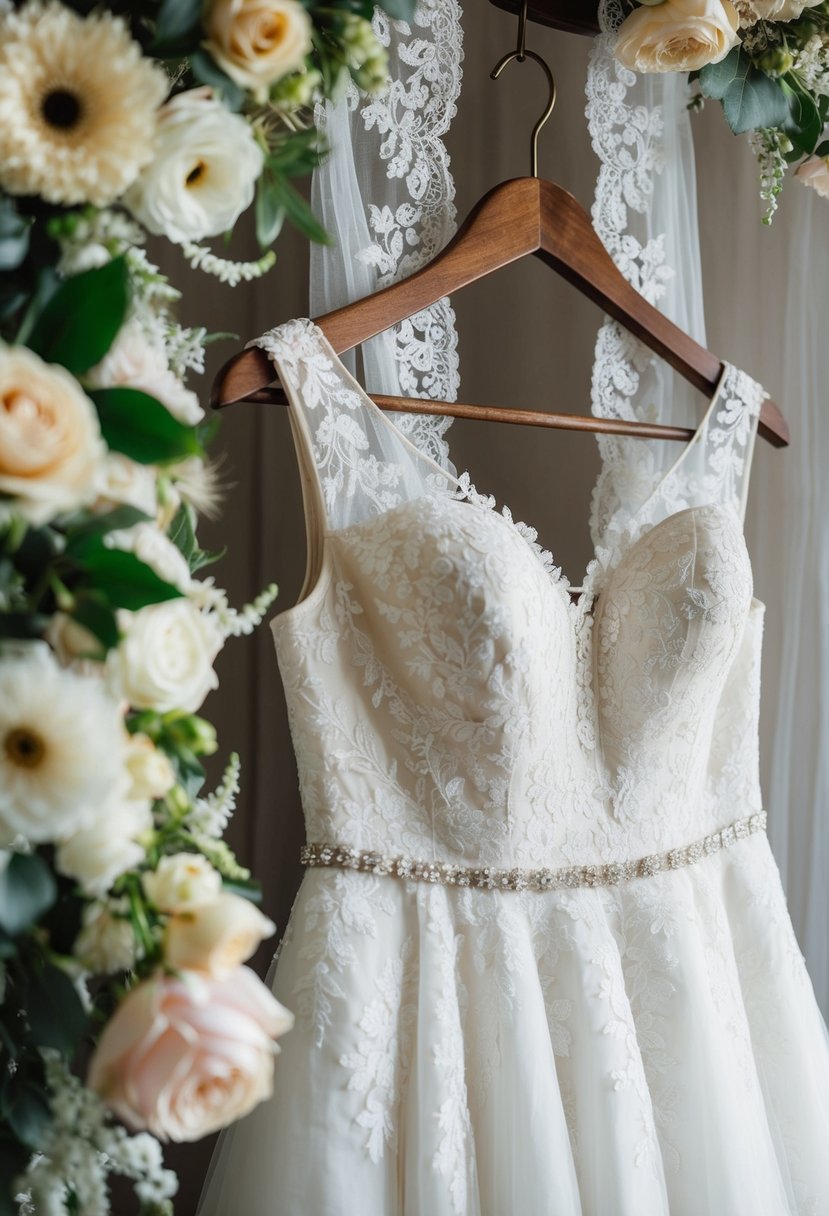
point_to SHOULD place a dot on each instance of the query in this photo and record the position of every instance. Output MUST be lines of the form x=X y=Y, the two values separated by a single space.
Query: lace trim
x=487 y=878
x=411 y=119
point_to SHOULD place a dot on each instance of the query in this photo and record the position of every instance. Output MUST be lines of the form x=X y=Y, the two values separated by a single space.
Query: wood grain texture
x=524 y=216
x=574 y=16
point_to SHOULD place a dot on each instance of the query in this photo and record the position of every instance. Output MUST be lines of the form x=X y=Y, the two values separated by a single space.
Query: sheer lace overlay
x=650 y=1048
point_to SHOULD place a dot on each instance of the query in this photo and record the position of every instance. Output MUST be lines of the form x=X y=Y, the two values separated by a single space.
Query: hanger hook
x=521 y=54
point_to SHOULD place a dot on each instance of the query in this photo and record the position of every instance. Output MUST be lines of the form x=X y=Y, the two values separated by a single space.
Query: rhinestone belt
x=489 y=879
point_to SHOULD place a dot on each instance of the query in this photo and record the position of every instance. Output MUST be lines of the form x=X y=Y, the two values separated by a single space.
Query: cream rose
x=99 y=854
x=215 y=937
x=51 y=450
x=150 y=771
x=165 y=660
x=106 y=942
x=182 y=1058
x=124 y=480
x=677 y=35
x=204 y=171
x=814 y=172
x=132 y=362
x=181 y=881
x=257 y=42
x=775 y=10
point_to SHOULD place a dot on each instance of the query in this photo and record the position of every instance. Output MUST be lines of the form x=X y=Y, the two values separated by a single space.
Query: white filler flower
x=204 y=172
x=77 y=104
x=61 y=747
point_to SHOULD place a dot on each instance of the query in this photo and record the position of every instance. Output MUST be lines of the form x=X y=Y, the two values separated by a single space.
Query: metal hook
x=521 y=53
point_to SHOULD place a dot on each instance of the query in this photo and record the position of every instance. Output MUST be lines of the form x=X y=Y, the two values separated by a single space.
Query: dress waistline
x=488 y=878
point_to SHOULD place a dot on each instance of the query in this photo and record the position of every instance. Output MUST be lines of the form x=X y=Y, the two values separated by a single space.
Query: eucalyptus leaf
x=54 y=1011
x=79 y=322
x=175 y=21
x=270 y=214
x=27 y=890
x=122 y=579
x=26 y=1109
x=207 y=71
x=142 y=428
x=804 y=125
x=750 y=99
x=14 y=235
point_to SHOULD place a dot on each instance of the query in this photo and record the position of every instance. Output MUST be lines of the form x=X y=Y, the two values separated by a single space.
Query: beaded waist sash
x=489 y=879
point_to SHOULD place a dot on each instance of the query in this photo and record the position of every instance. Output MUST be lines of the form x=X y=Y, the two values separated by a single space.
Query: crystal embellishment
x=487 y=878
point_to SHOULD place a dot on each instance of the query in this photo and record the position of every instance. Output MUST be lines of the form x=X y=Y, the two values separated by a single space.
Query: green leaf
x=207 y=71
x=22 y=625
x=299 y=211
x=96 y=615
x=78 y=324
x=142 y=428
x=86 y=536
x=14 y=235
x=14 y=1158
x=26 y=1109
x=750 y=99
x=270 y=214
x=55 y=1014
x=27 y=890
x=124 y=580
x=804 y=125
x=45 y=287
x=183 y=531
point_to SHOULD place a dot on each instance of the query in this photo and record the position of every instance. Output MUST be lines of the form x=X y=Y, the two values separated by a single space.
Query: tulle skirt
x=653 y=1049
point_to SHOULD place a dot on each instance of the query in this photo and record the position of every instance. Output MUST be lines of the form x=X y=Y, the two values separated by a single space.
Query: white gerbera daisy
x=62 y=747
x=77 y=105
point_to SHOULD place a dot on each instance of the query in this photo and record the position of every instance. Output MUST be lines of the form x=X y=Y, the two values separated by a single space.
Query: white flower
x=677 y=35
x=61 y=747
x=100 y=853
x=203 y=175
x=150 y=770
x=753 y=11
x=165 y=661
x=106 y=943
x=123 y=480
x=814 y=172
x=51 y=451
x=215 y=937
x=77 y=104
x=181 y=881
x=151 y=546
x=257 y=42
x=133 y=362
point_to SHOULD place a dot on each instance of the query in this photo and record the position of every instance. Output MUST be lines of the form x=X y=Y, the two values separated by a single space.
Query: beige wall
x=525 y=338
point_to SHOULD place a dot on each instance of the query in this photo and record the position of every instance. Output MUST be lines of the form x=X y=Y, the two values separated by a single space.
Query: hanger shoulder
x=503 y=227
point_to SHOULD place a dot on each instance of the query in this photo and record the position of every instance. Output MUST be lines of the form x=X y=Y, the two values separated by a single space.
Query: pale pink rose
x=814 y=172
x=184 y=1057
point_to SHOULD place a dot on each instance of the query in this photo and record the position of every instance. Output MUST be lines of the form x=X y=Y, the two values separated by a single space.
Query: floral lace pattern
x=479 y=1050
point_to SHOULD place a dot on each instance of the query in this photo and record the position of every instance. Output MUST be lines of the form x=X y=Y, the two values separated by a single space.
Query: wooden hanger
x=525 y=216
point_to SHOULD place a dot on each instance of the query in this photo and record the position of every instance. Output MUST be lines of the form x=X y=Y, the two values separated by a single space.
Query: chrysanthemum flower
x=62 y=748
x=77 y=104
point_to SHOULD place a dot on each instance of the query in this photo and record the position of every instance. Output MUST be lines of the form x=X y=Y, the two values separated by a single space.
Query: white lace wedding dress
x=541 y=962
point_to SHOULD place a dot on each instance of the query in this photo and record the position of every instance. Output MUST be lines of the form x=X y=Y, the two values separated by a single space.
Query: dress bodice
x=449 y=701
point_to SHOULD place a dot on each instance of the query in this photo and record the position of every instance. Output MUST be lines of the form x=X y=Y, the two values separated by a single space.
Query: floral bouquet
x=765 y=61
x=125 y=920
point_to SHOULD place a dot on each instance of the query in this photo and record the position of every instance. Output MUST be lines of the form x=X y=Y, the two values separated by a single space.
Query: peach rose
x=257 y=42
x=51 y=450
x=677 y=35
x=216 y=936
x=182 y=1058
x=814 y=172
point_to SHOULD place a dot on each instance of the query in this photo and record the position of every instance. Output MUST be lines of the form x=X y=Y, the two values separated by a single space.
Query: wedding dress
x=540 y=962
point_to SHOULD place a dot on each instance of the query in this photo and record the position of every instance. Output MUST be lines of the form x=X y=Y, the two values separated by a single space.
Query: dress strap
x=354 y=462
